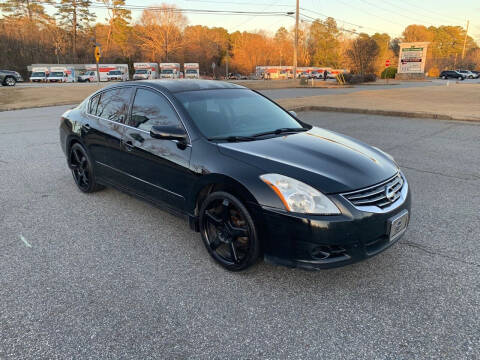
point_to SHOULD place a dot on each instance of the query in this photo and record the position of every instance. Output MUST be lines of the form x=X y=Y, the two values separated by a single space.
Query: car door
x=158 y=169
x=104 y=129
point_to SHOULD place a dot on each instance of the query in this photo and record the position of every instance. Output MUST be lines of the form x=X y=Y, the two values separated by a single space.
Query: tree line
x=162 y=34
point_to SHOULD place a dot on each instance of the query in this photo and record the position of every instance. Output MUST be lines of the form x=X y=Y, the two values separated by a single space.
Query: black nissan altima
x=251 y=177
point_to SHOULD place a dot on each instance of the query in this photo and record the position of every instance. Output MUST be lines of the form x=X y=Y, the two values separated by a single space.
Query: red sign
x=387 y=63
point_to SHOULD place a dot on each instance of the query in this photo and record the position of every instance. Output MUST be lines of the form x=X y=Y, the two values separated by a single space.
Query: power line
x=432 y=11
x=397 y=13
x=371 y=14
x=187 y=10
x=340 y=20
x=251 y=17
x=237 y=3
x=436 y=19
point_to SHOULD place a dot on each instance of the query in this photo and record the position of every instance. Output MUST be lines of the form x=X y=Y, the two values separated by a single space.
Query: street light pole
x=295 y=47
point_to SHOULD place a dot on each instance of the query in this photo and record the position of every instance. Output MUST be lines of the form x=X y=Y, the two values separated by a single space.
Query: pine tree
x=74 y=15
x=33 y=10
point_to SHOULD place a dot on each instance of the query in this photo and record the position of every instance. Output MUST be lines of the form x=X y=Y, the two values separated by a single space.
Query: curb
x=409 y=114
x=40 y=106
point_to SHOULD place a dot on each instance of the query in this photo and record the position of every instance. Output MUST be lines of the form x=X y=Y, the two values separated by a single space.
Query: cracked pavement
x=108 y=276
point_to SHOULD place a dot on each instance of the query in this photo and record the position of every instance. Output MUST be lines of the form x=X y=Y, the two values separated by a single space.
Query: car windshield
x=56 y=74
x=190 y=71
x=140 y=71
x=114 y=72
x=38 y=73
x=234 y=112
x=167 y=71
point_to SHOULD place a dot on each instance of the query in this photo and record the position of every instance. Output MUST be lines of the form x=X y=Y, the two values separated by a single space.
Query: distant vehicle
x=88 y=76
x=145 y=71
x=237 y=77
x=39 y=75
x=60 y=74
x=9 y=78
x=104 y=69
x=447 y=74
x=169 y=70
x=191 y=70
x=476 y=73
x=468 y=74
x=116 y=75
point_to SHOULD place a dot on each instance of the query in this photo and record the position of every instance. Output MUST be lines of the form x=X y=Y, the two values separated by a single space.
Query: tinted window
x=113 y=104
x=93 y=104
x=151 y=109
x=234 y=112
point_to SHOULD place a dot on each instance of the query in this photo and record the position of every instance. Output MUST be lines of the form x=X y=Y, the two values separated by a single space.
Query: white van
x=145 y=71
x=39 y=74
x=61 y=74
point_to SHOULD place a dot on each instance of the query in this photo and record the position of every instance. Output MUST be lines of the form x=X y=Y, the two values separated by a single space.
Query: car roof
x=179 y=85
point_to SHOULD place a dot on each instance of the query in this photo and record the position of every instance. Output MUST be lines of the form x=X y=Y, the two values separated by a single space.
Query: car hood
x=328 y=161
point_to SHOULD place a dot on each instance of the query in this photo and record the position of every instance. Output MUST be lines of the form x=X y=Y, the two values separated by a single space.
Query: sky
x=370 y=16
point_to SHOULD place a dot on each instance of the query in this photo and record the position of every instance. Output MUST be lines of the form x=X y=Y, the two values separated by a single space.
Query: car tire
x=444 y=77
x=460 y=78
x=9 y=81
x=228 y=231
x=88 y=80
x=82 y=169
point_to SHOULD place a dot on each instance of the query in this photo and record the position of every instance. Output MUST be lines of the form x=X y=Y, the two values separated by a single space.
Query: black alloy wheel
x=82 y=169
x=228 y=231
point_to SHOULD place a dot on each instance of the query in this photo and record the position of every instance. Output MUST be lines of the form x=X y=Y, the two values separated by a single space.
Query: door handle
x=128 y=145
x=87 y=126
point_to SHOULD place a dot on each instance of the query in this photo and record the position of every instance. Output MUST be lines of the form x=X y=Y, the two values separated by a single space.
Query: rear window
x=112 y=104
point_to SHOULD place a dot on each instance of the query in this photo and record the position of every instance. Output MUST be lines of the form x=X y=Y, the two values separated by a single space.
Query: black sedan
x=251 y=177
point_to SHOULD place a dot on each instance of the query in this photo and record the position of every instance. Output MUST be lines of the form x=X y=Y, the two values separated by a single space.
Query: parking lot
x=107 y=276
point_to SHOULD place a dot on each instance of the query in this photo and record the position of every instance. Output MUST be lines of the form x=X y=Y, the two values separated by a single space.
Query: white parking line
x=27 y=244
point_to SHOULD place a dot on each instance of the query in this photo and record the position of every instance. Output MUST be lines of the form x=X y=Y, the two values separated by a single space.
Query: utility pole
x=465 y=41
x=295 y=47
x=226 y=65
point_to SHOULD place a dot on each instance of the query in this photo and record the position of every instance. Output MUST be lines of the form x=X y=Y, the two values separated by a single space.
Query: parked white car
x=468 y=74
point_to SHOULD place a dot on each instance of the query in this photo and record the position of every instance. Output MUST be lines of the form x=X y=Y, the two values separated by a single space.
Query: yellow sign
x=98 y=55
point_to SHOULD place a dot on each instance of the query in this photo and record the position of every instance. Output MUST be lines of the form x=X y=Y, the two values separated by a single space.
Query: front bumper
x=299 y=240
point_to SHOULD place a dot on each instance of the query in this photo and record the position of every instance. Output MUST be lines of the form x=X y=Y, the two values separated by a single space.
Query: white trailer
x=169 y=70
x=191 y=70
x=39 y=74
x=104 y=69
x=145 y=71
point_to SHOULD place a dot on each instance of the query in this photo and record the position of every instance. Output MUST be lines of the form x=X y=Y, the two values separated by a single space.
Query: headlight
x=299 y=197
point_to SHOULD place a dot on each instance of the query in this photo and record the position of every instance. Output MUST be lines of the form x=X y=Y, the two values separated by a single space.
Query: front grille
x=381 y=195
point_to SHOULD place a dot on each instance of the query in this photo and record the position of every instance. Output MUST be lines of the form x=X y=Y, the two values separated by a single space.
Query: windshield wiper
x=281 y=131
x=232 y=138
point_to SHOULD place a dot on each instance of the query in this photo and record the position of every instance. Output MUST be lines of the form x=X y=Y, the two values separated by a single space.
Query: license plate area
x=397 y=225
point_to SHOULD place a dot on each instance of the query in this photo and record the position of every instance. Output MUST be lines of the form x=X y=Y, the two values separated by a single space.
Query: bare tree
x=160 y=30
x=362 y=54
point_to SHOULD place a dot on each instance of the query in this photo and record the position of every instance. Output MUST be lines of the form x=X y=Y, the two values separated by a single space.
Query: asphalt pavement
x=107 y=276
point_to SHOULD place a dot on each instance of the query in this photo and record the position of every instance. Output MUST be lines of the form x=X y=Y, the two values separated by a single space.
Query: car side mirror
x=167 y=132
x=293 y=113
